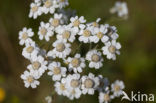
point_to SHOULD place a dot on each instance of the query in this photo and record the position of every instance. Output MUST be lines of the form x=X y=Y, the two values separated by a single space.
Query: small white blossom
x=89 y=83
x=56 y=21
x=48 y=99
x=111 y=49
x=85 y=34
x=99 y=34
x=77 y=23
x=25 y=35
x=35 y=9
x=45 y=31
x=56 y=71
x=77 y=63
x=30 y=50
x=61 y=49
x=111 y=32
x=30 y=79
x=95 y=59
x=65 y=32
x=38 y=65
x=117 y=88
x=49 y=6
x=73 y=85
x=95 y=24
x=120 y=8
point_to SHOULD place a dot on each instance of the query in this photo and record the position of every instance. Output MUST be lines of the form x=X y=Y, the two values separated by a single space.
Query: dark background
x=136 y=65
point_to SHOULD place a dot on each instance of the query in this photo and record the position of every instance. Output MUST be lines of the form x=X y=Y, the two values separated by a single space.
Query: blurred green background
x=136 y=65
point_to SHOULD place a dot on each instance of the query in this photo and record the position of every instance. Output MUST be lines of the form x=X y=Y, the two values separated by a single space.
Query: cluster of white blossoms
x=66 y=59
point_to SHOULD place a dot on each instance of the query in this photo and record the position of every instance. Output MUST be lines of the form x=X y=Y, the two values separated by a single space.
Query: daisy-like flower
x=25 y=35
x=30 y=79
x=105 y=97
x=35 y=9
x=99 y=34
x=117 y=88
x=60 y=87
x=111 y=49
x=62 y=3
x=85 y=34
x=120 y=8
x=95 y=24
x=77 y=23
x=61 y=49
x=56 y=21
x=30 y=50
x=56 y=71
x=73 y=84
x=111 y=32
x=38 y=65
x=65 y=32
x=45 y=31
x=77 y=63
x=89 y=83
x=49 y=6
x=95 y=59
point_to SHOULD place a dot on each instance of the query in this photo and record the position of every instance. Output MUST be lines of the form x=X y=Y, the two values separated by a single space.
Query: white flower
x=56 y=21
x=25 y=35
x=73 y=85
x=61 y=49
x=48 y=99
x=103 y=83
x=120 y=8
x=45 y=31
x=105 y=97
x=49 y=6
x=77 y=63
x=38 y=65
x=85 y=34
x=65 y=32
x=111 y=32
x=89 y=83
x=111 y=48
x=99 y=34
x=30 y=79
x=95 y=24
x=30 y=50
x=117 y=88
x=95 y=59
x=77 y=23
x=56 y=71
x=60 y=87
x=35 y=10
x=62 y=3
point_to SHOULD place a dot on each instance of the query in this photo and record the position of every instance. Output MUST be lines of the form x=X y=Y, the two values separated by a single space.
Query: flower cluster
x=64 y=60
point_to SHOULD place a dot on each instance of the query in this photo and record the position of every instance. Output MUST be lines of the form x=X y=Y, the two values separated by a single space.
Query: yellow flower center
x=55 y=22
x=112 y=49
x=34 y=8
x=116 y=88
x=30 y=79
x=56 y=70
x=95 y=58
x=95 y=24
x=43 y=31
x=66 y=34
x=24 y=36
x=89 y=83
x=86 y=33
x=74 y=83
x=99 y=35
x=36 y=65
x=60 y=47
x=75 y=62
x=30 y=49
x=62 y=87
x=73 y=91
x=48 y=4
x=76 y=23
x=106 y=97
